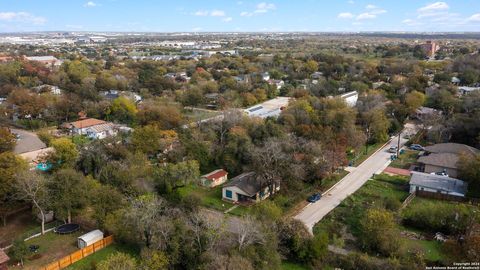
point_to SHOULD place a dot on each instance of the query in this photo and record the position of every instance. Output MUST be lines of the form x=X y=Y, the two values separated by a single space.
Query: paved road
x=28 y=141
x=314 y=212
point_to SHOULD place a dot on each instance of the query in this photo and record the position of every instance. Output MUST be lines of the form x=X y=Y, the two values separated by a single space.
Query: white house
x=247 y=188
x=89 y=238
x=350 y=98
x=101 y=131
x=278 y=83
x=269 y=108
x=265 y=76
x=92 y=128
x=437 y=184
x=54 y=90
x=464 y=90
x=214 y=178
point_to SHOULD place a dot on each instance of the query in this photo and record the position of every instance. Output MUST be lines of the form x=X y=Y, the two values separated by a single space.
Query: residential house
x=430 y=48
x=464 y=90
x=265 y=76
x=444 y=157
x=54 y=90
x=350 y=98
x=456 y=80
x=92 y=128
x=269 y=108
x=426 y=112
x=278 y=83
x=214 y=178
x=247 y=188
x=317 y=75
x=48 y=61
x=437 y=184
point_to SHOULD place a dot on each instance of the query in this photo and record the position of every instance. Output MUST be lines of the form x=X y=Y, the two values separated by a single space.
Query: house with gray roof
x=437 y=184
x=248 y=188
x=443 y=157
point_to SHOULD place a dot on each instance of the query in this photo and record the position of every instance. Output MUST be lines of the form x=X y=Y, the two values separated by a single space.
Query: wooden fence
x=80 y=254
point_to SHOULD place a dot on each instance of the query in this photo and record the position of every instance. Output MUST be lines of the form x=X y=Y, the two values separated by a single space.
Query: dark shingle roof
x=248 y=182
x=447 y=160
x=438 y=182
x=453 y=148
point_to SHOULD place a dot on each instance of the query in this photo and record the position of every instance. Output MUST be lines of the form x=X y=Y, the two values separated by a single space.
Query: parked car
x=314 y=198
x=393 y=149
x=416 y=147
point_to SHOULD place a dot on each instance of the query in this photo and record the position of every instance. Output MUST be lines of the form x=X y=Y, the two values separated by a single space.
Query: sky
x=239 y=15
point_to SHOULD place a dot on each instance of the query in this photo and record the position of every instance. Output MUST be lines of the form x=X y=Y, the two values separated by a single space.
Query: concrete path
x=375 y=164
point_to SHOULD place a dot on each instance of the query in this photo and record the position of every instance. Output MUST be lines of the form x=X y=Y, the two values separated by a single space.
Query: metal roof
x=438 y=182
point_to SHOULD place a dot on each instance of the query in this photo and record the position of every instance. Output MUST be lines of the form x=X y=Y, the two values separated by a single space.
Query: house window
x=228 y=194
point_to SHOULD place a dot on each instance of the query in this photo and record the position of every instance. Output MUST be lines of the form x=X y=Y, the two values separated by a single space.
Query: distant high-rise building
x=430 y=48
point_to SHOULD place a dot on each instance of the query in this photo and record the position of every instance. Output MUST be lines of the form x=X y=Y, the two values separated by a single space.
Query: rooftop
x=447 y=160
x=85 y=123
x=438 y=182
x=453 y=148
x=215 y=174
x=247 y=182
x=272 y=107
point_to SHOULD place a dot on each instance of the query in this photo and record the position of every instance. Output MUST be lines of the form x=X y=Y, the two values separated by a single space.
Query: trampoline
x=67 y=228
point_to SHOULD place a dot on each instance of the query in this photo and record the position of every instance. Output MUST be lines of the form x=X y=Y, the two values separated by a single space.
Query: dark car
x=416 y=147
x=314 y=198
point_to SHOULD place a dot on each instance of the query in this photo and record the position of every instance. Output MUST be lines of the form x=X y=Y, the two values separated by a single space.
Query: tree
x=469 y=170
x=376 y=125
x=154 y=259
x=152 y=140
x=7 y=140
x=379 y=232
x=106 y=199
x=77 y=71
x=310 y=66
x=173 y=176
x=68 y=191
x=19 y=250
x=31 y=187
x=10 y=165
x=247 y=232
x=414 y=100
x=118 y=261
x=65 y=154
x=123 y=110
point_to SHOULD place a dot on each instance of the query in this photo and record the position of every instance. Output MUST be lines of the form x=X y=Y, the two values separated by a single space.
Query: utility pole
x=398 y=145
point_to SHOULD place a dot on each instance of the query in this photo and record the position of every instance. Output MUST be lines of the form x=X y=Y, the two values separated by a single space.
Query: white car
x=392 y=149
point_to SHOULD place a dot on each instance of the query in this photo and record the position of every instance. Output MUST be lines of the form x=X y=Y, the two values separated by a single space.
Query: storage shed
x=89 y=238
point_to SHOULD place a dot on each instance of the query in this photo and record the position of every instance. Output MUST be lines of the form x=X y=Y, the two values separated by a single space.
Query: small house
x=89 y=238
x=437 y=184
x=214 y=178
x=247 y=188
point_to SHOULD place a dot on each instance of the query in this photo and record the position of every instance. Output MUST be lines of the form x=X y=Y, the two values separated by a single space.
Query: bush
x=45 y=136
x=438 y=217
x=392 y=204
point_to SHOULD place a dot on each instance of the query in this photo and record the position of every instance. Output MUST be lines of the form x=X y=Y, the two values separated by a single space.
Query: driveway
x=375 y=164
x=28 y=142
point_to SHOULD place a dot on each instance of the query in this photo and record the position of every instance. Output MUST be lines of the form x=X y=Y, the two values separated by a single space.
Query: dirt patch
x=16 y=226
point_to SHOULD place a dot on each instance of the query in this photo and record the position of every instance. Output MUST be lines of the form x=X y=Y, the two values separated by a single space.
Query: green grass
x=292 y=266
x=89 y=261
x=405 y=160
x=212 y=198
x=432 y=248
x=197 y=115
x=362 y=155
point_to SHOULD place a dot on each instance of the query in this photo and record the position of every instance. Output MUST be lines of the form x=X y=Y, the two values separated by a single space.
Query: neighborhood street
x=376 y=163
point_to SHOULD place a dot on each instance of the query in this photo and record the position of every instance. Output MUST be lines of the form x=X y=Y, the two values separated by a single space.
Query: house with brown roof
x=92 y=128
x=443 y=158
x=214 y=178
x=248 y=188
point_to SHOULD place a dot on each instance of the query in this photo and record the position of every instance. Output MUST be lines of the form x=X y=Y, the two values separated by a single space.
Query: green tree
x=310 y=66
x=379 y=232
x=469 y=170
x=106 y=199
x=10 y=165
x=123 y=110
x=376 y=125
x=173 y=176
x=154 y=259
x=118 y=261
x=7 y=140
x=19 y=250
x=151 y=139
x=414 y=100
x=65 y=153
x=77 y=71
x=68 y=193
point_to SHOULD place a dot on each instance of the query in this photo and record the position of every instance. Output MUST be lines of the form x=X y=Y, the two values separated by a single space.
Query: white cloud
x=378 y=11
x=246 y=14
x=433 y=7
x=264 y=7
x=22 y=17
x=366 y=16
x=201 y=13
x=474 y=18
x=371 y=6
x=345 y=15
x=351 y=2
x=90 y=4
x=227 y=19
x=217 y=13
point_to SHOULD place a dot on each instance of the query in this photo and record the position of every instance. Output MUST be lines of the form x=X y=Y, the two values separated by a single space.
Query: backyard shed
x=89 y=238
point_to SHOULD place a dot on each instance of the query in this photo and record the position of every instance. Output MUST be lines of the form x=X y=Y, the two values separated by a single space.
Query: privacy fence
x=80 y=254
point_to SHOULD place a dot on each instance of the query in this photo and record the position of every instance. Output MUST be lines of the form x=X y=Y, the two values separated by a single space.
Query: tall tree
x=7 y=140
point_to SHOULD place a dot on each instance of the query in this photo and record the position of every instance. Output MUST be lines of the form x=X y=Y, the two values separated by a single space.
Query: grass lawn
x=89 y=261
x=197 y=115
x=377 y=192
x=432 y=248
x=211 y=198
x=52 y=247
x=292 y=266
x=405 y=160
x=362 y=156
